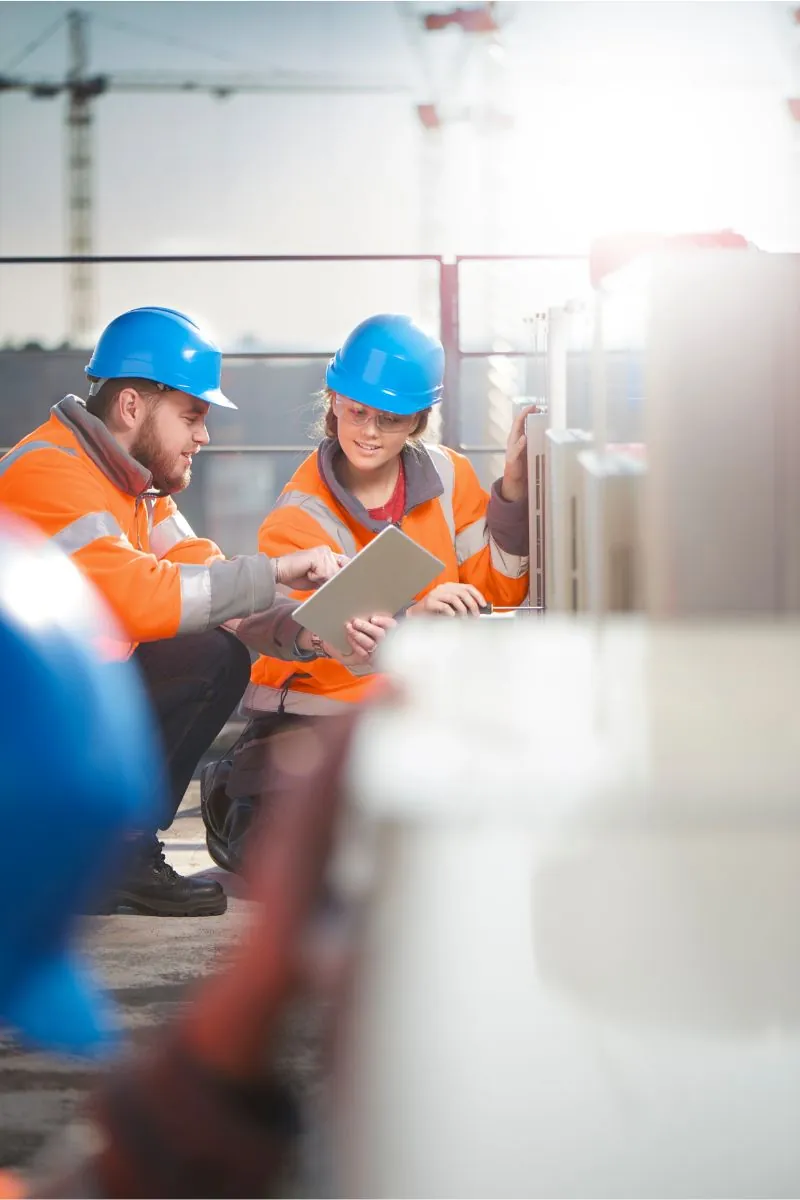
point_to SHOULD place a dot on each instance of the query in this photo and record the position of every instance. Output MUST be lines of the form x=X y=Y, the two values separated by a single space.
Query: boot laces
x=162 y=867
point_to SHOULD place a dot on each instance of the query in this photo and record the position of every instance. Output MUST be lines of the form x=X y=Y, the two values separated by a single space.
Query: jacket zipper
x=136 y=507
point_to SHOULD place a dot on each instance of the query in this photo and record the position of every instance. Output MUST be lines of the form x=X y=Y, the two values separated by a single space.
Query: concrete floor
x=148 y=964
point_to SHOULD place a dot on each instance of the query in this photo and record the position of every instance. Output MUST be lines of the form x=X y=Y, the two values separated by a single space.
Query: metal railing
x=451 y=288
x=450 y=282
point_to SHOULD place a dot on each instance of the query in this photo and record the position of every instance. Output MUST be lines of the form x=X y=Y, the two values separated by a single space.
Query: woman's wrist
x=318 y=646
x=512 y=491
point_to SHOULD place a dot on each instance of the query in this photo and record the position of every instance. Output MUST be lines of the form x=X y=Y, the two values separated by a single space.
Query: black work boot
x=153 y=888
x=227 y=821
x=214 y=807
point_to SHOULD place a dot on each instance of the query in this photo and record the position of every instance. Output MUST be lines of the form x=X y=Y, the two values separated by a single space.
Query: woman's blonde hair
x=327 y=424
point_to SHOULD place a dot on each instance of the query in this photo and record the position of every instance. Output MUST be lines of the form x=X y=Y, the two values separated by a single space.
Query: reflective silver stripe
x=18 y=452
x=447 y=473
x=85 y=530
x=319 y=510
x=168 y=533
x=150 y=508
x=195 y=598
x=260 y=697
x=513 y=566
x=471 y=540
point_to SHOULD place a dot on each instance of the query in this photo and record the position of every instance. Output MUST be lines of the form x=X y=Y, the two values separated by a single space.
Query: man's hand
x=515 y=472
x=307 y=569
x=450 y=600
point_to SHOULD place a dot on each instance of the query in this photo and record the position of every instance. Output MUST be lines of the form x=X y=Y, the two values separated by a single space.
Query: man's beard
x=167 y=477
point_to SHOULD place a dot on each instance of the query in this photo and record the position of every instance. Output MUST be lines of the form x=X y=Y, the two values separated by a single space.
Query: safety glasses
x=357 y=414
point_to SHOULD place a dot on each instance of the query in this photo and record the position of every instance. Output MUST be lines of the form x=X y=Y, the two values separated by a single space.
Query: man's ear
x=130 y=408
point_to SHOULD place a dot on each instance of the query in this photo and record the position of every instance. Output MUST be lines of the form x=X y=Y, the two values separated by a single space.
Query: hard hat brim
x=217 y=397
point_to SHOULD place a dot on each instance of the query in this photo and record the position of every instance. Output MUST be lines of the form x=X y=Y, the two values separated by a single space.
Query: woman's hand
x=450 y=600
x=514 y=485
x=364 y=635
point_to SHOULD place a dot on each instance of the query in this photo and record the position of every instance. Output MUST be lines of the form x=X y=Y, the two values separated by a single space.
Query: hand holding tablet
x=384 y=577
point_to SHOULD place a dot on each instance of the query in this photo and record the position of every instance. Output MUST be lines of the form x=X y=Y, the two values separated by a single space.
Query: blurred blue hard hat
x=165 y=346
x=389 y=363
x=79 y=768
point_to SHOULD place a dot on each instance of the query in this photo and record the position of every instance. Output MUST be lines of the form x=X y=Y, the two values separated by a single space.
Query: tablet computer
x=383 y=577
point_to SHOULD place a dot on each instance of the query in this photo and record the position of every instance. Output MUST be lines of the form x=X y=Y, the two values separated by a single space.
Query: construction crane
x=82 y=89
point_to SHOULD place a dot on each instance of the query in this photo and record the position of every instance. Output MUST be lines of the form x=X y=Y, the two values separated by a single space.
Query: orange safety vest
x=89 y=497
x=481 y=539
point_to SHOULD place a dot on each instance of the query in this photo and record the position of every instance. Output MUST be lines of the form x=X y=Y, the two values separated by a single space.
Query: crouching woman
x=372 y=469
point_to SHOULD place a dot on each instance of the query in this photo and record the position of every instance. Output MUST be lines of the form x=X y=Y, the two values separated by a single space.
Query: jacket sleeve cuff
x=237 y=587
x=274 y=632
x=303 y=655
x=507 y=522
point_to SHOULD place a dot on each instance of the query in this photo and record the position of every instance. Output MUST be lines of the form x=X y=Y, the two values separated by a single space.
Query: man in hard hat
x=98 y=479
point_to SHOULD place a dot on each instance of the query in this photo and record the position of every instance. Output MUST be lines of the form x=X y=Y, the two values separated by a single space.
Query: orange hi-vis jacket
x=72 y=479
x=482 y=539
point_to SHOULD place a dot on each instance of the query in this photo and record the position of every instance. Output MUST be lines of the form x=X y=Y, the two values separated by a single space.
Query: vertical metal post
x=451 y=340
x=557 y=352
x=79 y=178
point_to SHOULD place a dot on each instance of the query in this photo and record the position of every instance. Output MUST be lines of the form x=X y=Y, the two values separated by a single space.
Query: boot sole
x=134 y=905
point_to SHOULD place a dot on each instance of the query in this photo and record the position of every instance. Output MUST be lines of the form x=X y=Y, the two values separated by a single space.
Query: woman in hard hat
x=372 y=469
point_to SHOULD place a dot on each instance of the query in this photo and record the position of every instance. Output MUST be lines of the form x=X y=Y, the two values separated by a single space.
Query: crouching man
x=98 y=479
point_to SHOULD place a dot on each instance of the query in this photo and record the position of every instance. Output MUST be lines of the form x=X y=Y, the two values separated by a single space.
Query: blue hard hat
x=389 y=363
x=163 y=345
x=79 y=768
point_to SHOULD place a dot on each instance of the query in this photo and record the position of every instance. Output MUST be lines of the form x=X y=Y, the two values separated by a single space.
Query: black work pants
x=194 y=683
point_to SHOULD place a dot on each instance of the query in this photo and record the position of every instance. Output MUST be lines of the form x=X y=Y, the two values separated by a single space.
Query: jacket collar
x=422 y=480
x=102 y=448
